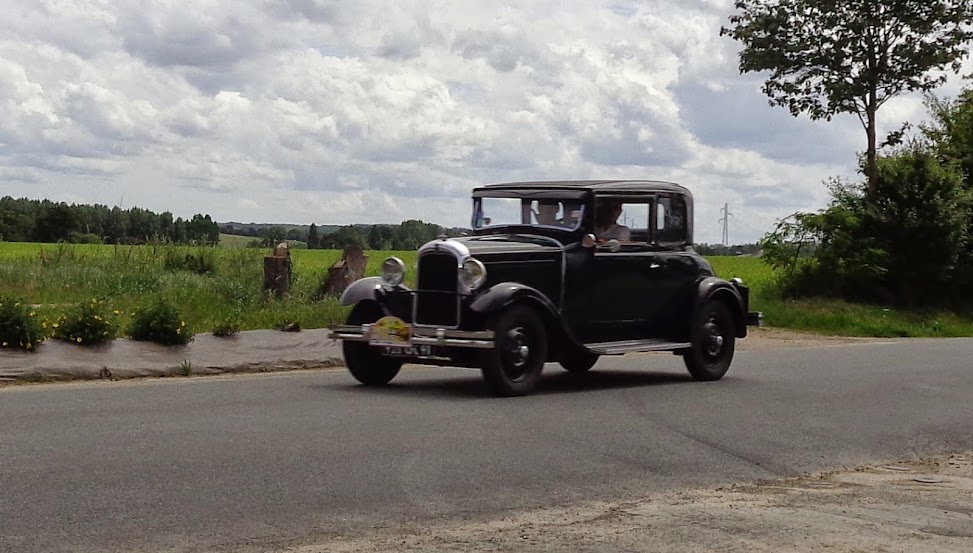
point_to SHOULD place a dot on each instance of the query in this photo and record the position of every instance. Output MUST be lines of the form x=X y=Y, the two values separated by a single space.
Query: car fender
x=363 y=289
x=716 y=288
x=503 y=294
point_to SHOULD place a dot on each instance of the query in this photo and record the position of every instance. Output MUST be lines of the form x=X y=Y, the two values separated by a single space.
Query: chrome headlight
x=472 y=274
x=393 y=271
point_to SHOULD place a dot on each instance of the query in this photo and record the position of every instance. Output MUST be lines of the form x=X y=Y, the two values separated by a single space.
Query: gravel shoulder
x=918 y=506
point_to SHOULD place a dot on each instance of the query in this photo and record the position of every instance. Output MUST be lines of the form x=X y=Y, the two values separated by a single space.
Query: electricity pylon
x=726 y=224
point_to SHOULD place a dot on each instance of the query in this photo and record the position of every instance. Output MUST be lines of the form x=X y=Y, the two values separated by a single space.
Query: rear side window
x=671 y=224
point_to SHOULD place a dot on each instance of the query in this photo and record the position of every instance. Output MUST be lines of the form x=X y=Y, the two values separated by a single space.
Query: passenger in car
x=606 y=222
x=547 y=213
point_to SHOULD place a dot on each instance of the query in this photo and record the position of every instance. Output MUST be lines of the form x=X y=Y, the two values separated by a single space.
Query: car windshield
x=563 y=214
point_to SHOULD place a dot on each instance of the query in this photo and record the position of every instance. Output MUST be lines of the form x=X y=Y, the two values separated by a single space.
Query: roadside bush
x=90 y=323
x=160 y=323
x=201 y=263
x=904 y=246
x=19 y=326
x=229 y=326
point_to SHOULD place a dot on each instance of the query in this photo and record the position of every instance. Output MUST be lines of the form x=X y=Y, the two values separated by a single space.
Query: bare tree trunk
x=871 y=169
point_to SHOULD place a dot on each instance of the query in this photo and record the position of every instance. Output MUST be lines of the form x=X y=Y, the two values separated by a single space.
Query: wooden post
x=277 y=271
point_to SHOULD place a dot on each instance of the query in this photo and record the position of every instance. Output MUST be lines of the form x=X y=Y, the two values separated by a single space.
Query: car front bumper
x=421 y=336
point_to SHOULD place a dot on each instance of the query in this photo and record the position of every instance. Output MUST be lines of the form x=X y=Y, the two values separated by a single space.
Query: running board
x=632 y=346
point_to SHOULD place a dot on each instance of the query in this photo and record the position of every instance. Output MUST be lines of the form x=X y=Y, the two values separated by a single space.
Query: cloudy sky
x=335 y=112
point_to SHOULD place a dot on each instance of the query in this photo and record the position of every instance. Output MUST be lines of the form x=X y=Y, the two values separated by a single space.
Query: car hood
x=502 y=245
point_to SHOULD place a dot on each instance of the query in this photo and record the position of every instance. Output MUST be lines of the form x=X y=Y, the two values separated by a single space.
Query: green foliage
x=186 y=368
x=89 y=323
x=827 y=57
x=199 y=262
x=26 y=220
x=228 y=326
x=902 y=246
x=19 y=325
x=161 y=323
x=951 y=131
x=131 y=274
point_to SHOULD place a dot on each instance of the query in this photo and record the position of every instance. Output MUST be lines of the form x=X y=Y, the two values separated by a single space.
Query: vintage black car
x=562 y=272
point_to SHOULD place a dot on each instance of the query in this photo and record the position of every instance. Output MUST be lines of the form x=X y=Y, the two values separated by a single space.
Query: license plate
x=406 y=351
x=390 y=331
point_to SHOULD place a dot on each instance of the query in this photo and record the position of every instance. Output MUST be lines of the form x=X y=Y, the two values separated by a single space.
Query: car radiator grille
x=436 y=298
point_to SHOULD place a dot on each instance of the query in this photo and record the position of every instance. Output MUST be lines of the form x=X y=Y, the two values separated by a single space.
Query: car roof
x=608 y=186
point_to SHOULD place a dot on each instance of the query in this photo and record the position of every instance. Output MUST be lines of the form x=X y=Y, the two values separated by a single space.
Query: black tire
x=365 y=363
x=514 y=366
x=580 y=362
x=714 y=340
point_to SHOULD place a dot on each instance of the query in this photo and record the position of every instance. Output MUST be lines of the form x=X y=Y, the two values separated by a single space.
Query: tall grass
x=54 y=277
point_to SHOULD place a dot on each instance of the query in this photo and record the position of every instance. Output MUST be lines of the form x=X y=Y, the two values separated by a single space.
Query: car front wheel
x=365 y=363
x=713 y=342
x=514 y=365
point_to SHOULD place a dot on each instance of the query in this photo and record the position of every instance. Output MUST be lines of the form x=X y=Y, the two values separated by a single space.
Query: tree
x=312 y=236
x=951 y=131
x=55 y=222
x=179 y=231
x=343 y=237
x=116 y=226
x=828 y=57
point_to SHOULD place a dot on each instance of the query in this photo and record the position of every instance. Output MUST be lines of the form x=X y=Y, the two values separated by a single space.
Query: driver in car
x=606 y=222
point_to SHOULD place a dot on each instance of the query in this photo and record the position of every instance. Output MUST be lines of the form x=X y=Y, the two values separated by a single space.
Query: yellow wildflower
x=79 y=339
x=55 y=325
x=33 y=314
x=117 y=312
x=29 y=345
x=5 y=344
x=44 y=324
x=182 y=323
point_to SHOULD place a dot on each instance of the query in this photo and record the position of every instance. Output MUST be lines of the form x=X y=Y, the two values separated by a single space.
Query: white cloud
x=379 y=111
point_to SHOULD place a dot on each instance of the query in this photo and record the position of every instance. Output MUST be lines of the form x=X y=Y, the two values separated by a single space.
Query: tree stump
x=277 y=271
x=350 y=268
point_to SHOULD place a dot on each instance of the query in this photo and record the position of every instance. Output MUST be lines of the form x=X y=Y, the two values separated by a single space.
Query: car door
x=625 y=280
x=678 y=271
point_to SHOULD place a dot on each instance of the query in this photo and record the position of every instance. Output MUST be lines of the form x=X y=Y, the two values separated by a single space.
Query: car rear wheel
x=514 y=365
x=580 y=362
x=365 y=362
x=713 y=342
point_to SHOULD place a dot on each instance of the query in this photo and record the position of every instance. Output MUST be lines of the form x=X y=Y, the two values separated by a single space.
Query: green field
x=55 y=276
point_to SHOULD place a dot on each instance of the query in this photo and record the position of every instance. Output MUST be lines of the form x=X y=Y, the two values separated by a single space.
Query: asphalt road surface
x=262 y=463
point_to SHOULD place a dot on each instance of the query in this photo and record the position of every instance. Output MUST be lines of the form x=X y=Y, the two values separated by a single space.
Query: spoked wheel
x=365 y=362
x=514 y=366
x=714 y=341
x=579 y=362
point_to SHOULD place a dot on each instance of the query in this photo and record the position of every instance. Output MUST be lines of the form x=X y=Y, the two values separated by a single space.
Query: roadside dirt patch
x=921 y=506
x=778 y=338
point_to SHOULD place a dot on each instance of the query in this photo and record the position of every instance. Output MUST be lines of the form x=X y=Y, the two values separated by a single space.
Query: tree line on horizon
x=407 y=235
x=30 y=220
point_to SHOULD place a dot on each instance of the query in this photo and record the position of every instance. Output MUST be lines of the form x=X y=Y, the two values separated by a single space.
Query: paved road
x=262 y=463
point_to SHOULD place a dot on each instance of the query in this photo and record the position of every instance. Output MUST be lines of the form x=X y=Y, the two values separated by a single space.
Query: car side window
x=624 y=220
x=671 y=223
